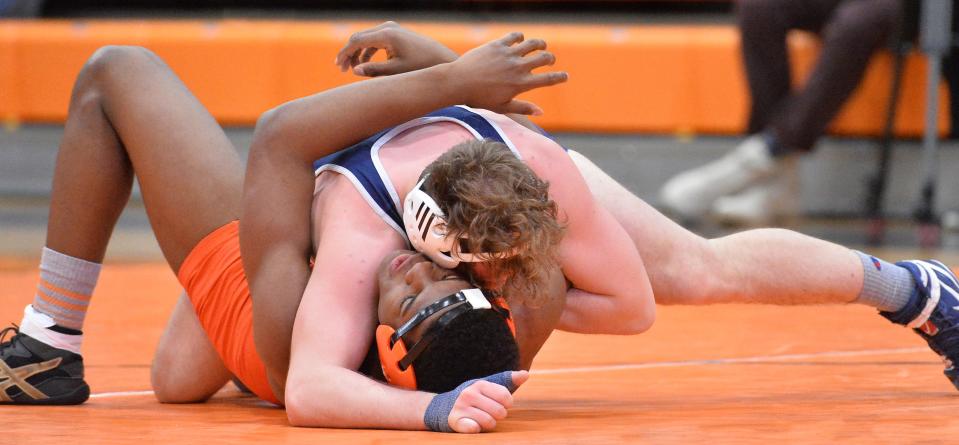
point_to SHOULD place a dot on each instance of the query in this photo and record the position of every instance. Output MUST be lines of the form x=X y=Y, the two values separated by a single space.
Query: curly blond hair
x=501 y=206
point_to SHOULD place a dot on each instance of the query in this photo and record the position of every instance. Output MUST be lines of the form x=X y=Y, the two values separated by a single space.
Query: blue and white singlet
x=361 y=162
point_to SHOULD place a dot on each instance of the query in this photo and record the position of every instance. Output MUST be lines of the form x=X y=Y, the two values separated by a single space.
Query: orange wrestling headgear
x=397 y=360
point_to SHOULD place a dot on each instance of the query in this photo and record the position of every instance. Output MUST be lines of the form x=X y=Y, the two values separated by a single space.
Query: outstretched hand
x=490 y=76
x=405 y=51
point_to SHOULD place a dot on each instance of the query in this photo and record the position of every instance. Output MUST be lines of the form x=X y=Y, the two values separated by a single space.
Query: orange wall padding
x=682 y=79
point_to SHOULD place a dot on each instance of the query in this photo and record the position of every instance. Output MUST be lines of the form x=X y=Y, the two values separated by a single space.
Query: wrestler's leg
x=130 y=113
x=758 y=266
x=185 y=367
x=777 y=266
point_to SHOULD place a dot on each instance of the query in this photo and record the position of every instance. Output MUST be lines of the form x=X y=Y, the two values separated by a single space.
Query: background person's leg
x=764 y=25
x=854 y=32
x=186 y=368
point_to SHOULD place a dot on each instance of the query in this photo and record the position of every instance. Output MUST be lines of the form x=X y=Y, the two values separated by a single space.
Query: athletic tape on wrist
x=438 y=412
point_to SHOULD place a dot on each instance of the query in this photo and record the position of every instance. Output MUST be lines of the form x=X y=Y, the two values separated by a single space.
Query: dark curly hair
x=475 y=344
x=493 y=198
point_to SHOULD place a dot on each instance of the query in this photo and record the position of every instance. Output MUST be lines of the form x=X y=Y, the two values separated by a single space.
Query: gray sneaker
x=692 y=193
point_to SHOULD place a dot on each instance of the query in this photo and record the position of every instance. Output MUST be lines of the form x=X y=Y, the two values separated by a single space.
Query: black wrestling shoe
x=33 y=373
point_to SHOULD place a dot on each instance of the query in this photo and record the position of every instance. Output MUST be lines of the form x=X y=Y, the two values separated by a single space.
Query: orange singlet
x=213 y=277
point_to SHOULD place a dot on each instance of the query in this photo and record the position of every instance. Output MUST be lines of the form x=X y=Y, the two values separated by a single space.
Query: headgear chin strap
x=426 y=228
x=397 y=360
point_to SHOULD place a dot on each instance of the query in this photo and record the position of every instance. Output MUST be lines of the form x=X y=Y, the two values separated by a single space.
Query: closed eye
x=405 y=304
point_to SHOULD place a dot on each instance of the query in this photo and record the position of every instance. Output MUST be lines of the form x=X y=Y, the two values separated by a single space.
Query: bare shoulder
x=547 y=159
x=349 y=240
x=340 y=214
x=533 y=146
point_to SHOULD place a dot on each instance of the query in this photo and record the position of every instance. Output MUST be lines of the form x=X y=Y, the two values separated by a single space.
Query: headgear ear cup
x=425 y=226
x=390 y=357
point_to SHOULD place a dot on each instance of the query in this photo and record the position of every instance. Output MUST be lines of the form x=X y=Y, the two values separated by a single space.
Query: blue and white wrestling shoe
x=933 y=311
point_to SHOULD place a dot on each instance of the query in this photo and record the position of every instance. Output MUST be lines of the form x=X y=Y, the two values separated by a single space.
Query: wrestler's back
x=406 y=155
x=403 y=158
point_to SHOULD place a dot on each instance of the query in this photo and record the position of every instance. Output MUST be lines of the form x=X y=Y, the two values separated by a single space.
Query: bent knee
x=168 y=387
x=97 y=82
x=112 y=58
x=166 y=391
x=163 y=388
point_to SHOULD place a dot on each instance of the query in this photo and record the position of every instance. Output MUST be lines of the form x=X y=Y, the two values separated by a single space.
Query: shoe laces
x=4 y=344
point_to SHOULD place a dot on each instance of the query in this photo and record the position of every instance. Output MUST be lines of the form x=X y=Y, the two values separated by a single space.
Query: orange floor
x=719 y=374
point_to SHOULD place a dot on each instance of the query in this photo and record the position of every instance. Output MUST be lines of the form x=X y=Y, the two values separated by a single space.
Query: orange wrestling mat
x=719 y=374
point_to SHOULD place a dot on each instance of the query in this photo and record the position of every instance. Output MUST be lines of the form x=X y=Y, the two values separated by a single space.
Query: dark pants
x=851 y=30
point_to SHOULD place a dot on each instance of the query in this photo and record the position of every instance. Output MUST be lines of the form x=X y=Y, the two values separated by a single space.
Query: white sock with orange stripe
x=63 y=296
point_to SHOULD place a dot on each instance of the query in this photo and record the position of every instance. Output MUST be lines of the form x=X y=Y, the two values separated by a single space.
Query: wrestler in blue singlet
x=361 y=163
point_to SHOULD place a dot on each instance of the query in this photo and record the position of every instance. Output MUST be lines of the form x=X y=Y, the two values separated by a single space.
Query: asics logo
x=10 y=377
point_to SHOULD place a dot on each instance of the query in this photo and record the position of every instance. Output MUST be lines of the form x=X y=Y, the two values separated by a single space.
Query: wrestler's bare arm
x=604 y=299
x=535 y=325
x=335 y=320
x=274 y=228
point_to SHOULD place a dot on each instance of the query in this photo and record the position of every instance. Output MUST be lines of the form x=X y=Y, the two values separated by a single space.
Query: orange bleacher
x=681 y=79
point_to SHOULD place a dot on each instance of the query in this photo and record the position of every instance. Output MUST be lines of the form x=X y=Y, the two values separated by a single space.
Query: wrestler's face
x=408 y=282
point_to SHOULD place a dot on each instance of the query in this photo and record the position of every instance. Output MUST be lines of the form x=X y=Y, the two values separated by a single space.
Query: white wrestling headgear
x=426 y=228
